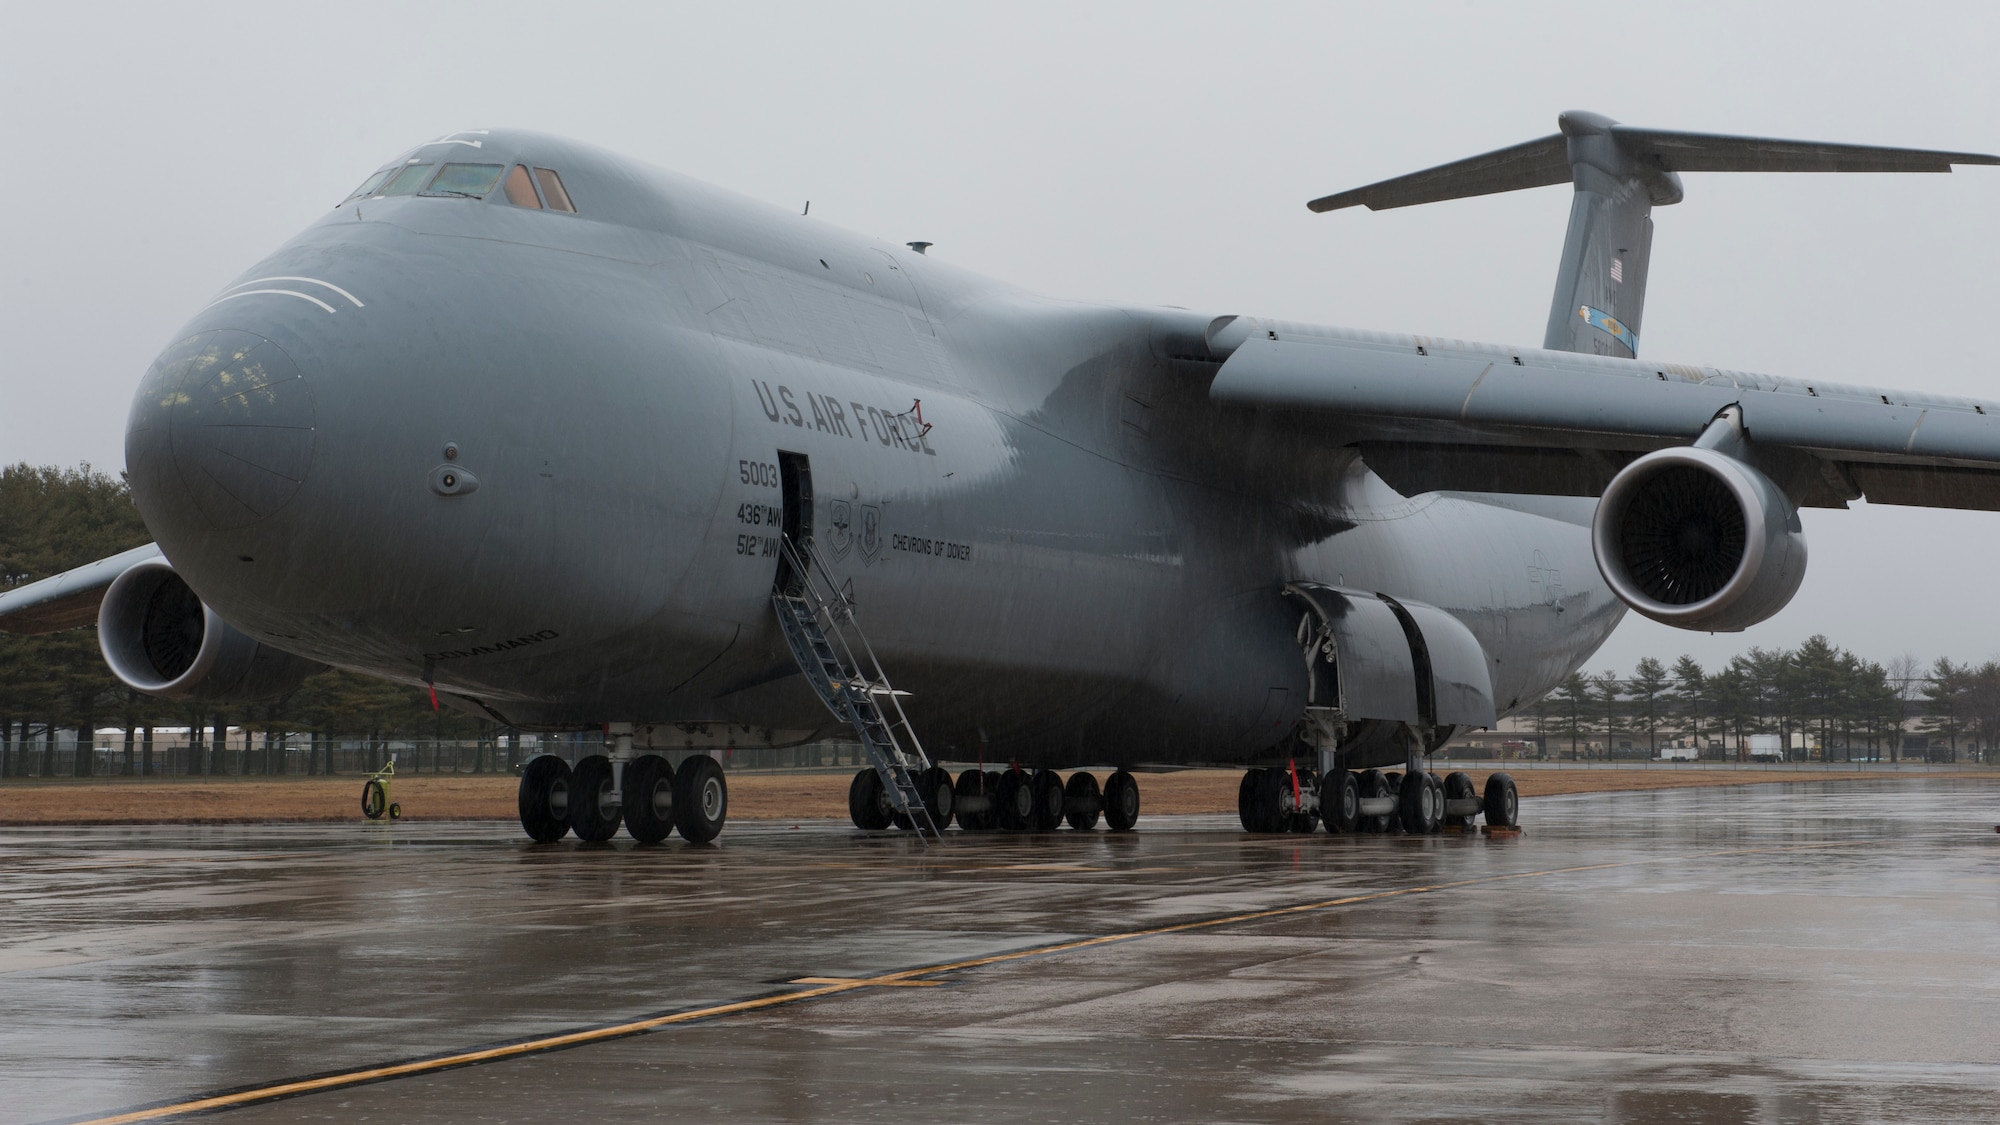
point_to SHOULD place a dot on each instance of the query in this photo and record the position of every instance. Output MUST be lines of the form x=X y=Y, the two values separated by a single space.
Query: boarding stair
x=819 y=624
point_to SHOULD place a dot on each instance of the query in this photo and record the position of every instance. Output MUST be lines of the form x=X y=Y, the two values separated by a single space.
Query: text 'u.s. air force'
x=828 y=415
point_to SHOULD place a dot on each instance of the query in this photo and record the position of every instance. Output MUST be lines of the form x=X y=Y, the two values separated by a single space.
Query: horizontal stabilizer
x=1541 y=163
x=1715 y=152
x=1546 y=162
x=1620 y=173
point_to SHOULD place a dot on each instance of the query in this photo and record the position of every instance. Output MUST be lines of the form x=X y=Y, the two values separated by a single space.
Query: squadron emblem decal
x=871 y=533
x=840 y=535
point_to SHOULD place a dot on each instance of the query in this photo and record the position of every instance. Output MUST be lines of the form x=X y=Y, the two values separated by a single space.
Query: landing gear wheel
x=935 y=784
x=1257 y=802
x=865 y=804
x=1121 y=802
x=1082 y=802
x=1375 y=783
x=1308 y=786
x=374 y=796
x=1015 y=797
x=1340 y=801
x=545 y=798
x=1048 y=788
x=972 y=799
x=1503 y=802
x=701 y=799
x=1420 y=804
x=1458 y=787
x=649 y=798
x=594 y=814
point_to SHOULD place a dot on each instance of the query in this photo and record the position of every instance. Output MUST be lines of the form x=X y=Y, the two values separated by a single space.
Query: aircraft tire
x=649 y=798
x=1265 y=815
x=1121 y=802
x=1503 y=802
x=1048 y=791
x=1420 y=804
x=1340 y=802
x=592 y=816
x=1458 y=786
x=701 y=799
x=1015 y=801
x=1083 y=803
x=939 y=796
x=1246 y=800
x=973 y=786
x=865 y=806
x=545 y=798
x=1375 y=783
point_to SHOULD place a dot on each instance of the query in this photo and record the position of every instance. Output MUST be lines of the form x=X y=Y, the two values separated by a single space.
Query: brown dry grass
x=752 y=796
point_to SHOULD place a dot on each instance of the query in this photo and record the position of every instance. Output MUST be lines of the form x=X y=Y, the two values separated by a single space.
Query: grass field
x=752 y=796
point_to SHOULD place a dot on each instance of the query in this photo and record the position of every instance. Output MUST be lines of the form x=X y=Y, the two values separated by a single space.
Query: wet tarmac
x=1810 y=952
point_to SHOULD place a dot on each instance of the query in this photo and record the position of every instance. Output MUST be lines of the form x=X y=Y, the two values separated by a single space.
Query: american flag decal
x=1618 y=270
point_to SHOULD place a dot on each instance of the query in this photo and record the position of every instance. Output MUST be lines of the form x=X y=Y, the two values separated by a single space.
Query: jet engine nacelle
x=1697 y=539
x=159 y=638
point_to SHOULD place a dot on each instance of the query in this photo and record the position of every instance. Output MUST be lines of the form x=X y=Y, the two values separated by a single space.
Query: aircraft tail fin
x=1620 y=173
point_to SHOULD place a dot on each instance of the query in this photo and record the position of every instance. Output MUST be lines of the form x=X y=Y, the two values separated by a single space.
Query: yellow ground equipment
x=375 y=794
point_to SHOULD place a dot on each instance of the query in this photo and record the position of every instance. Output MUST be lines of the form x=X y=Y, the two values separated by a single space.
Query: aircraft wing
x=66 y=600
x=1434 y=415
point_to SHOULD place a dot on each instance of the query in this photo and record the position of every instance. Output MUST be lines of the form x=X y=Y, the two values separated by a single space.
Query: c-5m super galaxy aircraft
x=582 y=443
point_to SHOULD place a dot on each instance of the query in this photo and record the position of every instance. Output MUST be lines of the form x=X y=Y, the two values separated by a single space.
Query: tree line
x=53 y=519
x=1846 y=706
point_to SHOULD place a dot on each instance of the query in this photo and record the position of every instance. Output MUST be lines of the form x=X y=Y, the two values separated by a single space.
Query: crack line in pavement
x=834 y=986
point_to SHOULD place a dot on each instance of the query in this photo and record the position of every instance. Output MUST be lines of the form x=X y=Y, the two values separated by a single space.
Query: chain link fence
x=42 y=753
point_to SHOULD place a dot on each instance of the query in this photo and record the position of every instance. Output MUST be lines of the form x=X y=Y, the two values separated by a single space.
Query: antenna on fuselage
x=920 y=247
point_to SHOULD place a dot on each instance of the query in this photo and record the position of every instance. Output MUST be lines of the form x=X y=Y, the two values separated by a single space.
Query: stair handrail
x=810 y=569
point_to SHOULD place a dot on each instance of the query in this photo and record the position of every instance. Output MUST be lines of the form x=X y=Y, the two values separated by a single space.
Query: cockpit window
x=473 y=180
x=408 y=180
x=552 y=190
x=368 y=185
x=521 y=190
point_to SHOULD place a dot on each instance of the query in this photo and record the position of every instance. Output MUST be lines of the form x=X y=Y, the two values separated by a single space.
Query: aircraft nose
x=221 y=431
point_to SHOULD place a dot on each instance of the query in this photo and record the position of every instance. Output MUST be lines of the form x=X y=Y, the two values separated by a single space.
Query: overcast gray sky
x=1151 y=153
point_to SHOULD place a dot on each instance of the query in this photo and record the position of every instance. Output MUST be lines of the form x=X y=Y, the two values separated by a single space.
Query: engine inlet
x=1682 y=536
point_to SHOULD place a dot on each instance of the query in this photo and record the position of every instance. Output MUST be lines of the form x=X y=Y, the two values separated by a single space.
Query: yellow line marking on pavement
x=837 y=985
x=868 y=981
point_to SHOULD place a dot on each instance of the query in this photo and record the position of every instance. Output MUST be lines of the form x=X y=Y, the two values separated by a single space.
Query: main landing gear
x=651 y=800
x=1012 y=800
x=1415 y=803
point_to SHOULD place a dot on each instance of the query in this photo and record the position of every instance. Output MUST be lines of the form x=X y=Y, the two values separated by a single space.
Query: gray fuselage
x=1073 y=557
